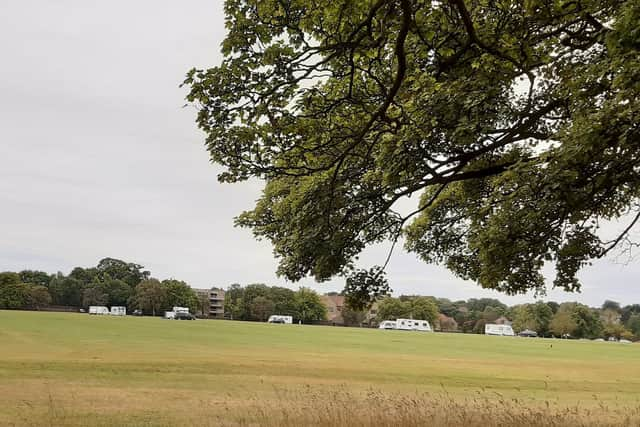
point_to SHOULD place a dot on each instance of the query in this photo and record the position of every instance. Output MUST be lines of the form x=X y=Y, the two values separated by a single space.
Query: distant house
x=334 y=304
x=211 y=302
x=446 y=323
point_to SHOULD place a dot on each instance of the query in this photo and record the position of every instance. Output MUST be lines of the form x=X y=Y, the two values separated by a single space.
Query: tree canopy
x=414 y=307
x=516 y=121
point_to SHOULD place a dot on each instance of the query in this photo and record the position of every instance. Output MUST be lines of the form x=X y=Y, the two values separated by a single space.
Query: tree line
x=547 y=319
x=112 y=282
x=258 y=301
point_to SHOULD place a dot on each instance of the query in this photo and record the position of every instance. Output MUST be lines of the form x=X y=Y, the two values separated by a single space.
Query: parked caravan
x=98 y=309
x=118 y=311
x=413 y=325
x=387 y=324
x=180 y=309
x=503 y=330
x=277 y=318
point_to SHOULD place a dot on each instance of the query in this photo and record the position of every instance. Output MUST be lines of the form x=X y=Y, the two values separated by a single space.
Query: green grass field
x=76 y=369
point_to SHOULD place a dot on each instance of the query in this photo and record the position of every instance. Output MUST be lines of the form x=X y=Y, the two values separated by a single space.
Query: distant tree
x=522 y=318
x=465 y=317
x=611 y=305
x=233 y=302
x=490 y=313
x=309 y=306
x=34 y=277
x=283 y=300
x=615 y=330
x=628 y=311
x=261 y=308
x=353 y=317
x=535 y=317
x=149 y=296
x=364 y=287
x=85 y=276
x=543 y=314
x=562 y=324
x=628 y=335
x=588 y=322
x=553 y=306
x=9 y=278
x=68 y=290
x=610 y=316
x=251 y=292
x=38 y=296
x=179 y=294
x=118 y=292
x=446 y=323
x=633 y=324
x=469 y=326
x=392 y=308
x=94 y=294
x=481 y=304
x=478 y=326
x=424 y=308
x=204 y=304
x=128 y=272
x=446 y=307
x=13 y=293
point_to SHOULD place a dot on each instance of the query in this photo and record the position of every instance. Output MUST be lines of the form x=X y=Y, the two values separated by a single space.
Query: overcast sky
x=98 y=158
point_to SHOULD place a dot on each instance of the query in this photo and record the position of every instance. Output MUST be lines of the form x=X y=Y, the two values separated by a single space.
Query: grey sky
x=98 y=158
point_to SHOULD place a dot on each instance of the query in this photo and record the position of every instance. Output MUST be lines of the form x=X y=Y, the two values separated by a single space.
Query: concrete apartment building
x=211 y=302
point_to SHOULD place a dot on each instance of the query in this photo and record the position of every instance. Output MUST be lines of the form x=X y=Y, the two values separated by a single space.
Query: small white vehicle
x=387 y=324
x=277 y=318
x=413 y=325
x=170 y=315
x=118 y=310
x=501 y=330
x=98 y=309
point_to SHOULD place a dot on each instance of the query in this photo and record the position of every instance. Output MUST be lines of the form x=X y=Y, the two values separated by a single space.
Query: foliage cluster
x=515 y=121
x=112 y=282
x=258 y=301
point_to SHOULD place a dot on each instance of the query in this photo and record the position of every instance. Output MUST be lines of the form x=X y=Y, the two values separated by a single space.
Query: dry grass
x=74 y=370
x=343 y=408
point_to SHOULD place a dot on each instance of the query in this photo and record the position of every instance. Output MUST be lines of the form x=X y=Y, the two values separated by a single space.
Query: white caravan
x=503 y=330
x=277 y=318
x=118 y=311
x=387 y=324
x=98 y=309
x=413 y=325
x=172 y=314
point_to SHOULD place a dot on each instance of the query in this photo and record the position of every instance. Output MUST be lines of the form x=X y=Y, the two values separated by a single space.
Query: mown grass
x=74 y=369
